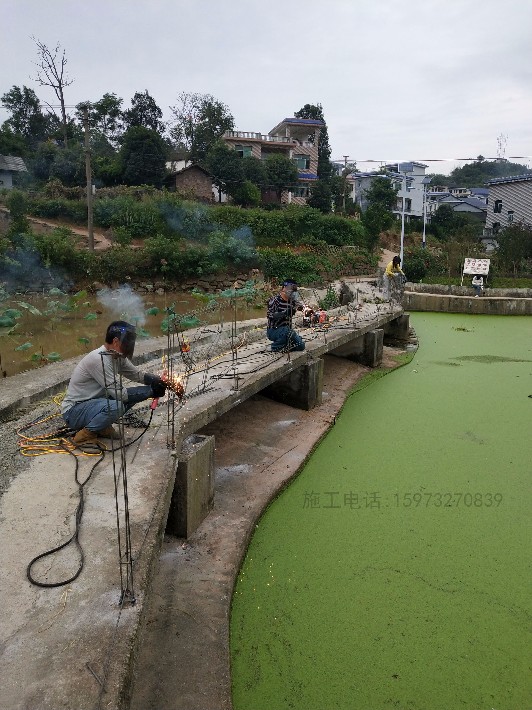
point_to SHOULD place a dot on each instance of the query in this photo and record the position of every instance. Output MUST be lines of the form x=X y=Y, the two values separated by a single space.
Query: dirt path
x=101 y=241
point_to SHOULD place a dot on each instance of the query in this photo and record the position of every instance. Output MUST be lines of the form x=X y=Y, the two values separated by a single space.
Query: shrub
x=247 y=194
x=229 y=251
x=330 y=300
x=122 y=236
x=60 y=207
x=282 y=263
x=58 y=248
x=419 y=262
x=169 y=258
x=121 y=264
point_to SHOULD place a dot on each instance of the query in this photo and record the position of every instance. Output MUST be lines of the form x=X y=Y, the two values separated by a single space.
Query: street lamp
x=426 y=181
x=406 y=188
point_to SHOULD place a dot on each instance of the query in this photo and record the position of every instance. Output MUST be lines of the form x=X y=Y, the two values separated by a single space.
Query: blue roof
x=307 y=176
x=304 y=121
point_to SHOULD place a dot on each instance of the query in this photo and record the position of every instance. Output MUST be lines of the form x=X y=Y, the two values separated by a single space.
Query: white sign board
x=476 y=266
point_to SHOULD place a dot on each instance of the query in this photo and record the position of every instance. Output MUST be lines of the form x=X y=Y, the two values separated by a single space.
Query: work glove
x=158 y=388
x=157 y=384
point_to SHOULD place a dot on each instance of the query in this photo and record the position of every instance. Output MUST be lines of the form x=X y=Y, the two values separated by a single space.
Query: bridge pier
x=193 y=493
x=399 y=328
x=367 y=349
x=301 y=388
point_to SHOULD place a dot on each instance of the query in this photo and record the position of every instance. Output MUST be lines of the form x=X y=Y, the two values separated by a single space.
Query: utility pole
x=88 y=172
x=345 y=179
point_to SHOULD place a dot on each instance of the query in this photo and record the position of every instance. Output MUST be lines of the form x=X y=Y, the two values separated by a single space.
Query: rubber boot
x=85 y=436
x=109 y=433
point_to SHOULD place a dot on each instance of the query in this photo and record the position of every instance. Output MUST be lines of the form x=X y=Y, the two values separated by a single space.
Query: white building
x=410 y=181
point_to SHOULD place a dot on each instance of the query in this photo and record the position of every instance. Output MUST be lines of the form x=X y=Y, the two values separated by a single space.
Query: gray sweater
x=98 y=375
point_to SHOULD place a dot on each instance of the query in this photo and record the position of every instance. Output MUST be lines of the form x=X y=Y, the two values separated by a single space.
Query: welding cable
x=79 y=510
x=74 y=537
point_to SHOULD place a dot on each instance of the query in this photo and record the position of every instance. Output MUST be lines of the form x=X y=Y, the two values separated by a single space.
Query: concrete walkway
x=73 y=646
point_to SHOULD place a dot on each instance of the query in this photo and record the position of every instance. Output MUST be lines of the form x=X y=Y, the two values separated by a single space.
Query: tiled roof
x=511 y=178
x=10 y=162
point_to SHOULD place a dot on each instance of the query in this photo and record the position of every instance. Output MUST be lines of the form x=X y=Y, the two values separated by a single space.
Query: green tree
x=142 y=157
x=10 y=143
x=282 y=173
x=448 y=224
x=378 y=216
x=41 y=163
x=442 y=222
x=105 y=118
x=478 y=173
x=145 y=113
x=321 y=196
x=27 y=121
x=438 y=179
x=255 y=171
x=515 y=248
x=199 y=121
x=225 y=166
x=69 y=165
x=315 y=112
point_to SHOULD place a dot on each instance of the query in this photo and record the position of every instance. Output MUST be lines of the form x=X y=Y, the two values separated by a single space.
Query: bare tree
x=51 y=71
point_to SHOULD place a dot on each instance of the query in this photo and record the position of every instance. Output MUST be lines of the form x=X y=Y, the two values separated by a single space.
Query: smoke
x=244 y=234
x=123 y=304
x=23 y=270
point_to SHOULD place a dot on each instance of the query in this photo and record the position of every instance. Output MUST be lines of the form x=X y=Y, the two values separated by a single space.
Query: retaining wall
x=483 y=305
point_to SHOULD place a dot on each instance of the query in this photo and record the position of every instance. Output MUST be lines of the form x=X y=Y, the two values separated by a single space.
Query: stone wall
x=209 y=284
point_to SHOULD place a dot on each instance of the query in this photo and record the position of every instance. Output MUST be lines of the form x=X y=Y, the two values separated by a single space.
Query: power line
x=431 y=160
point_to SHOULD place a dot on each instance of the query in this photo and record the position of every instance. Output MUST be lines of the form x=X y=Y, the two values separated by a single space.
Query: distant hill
x=478 y=173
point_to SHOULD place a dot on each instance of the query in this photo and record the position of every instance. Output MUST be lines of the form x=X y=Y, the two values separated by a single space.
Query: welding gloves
x=157 y=384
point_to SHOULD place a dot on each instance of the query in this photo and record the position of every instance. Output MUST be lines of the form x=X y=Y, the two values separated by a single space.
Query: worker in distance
x=281 y=309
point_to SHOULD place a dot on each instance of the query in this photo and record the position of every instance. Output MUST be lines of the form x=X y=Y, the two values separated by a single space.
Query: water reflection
x=71 y=333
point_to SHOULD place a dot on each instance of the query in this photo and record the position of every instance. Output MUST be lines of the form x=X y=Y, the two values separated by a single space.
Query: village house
x=192 y=181
x=509 y=202
x=9 y=164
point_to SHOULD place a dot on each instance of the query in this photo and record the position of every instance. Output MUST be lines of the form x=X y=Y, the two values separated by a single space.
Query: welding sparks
x=174 y=383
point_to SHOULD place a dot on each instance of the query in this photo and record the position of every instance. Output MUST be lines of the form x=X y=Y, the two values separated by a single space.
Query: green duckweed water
x=394 y=571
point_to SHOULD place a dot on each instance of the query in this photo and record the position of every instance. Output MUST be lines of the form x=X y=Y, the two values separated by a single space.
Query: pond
x=57 y=327
x=394 y=571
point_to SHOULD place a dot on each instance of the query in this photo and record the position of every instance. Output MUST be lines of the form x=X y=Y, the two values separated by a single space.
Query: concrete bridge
x=75 y=646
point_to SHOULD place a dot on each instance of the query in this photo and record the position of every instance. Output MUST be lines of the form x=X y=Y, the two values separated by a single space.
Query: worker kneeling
x=281 y=309
x=94 y=399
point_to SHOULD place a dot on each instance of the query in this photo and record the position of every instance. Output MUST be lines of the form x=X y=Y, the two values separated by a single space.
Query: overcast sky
x=397 y=79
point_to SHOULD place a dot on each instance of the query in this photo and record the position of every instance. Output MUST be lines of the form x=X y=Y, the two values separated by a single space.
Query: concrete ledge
x=483 y=305
x=37 y=384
